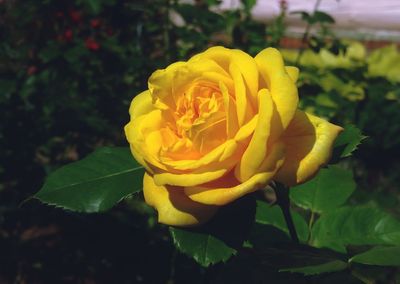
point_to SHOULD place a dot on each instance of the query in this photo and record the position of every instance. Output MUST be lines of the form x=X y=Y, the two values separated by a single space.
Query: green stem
x=310 y=224
x=282 y=199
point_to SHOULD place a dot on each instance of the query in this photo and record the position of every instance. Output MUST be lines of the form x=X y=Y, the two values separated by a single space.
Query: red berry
x=95 y=23
x=68 y=35
x=31 y=70
x=75 y=16
x=91 y=44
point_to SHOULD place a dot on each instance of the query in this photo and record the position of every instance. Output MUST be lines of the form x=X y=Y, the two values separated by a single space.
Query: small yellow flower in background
x=219 y=126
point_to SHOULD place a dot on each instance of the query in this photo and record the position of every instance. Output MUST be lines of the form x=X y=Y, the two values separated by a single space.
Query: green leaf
x=347 y=142
x=94 y=6
x=304 y=16
x=204 y=248
x=248 y=4
x=272 y=215
x=355 y=226
x=387 y=256
x=49 y=52
x=262 y=265
x=332 y=266
x=328 y=190
x=219 y=239
x=95 y=183
x=322 y=17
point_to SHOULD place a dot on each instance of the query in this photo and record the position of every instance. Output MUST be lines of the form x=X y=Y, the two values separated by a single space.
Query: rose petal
x=173 y=206
x=293 y=73
x=167 y=85
x=214 y=195
x=309 y=143
x=189 y=179
x=282 y=88
x=223 y=156
x=140 y=134
x=232 y=124
x=141 y=104
x=161 y=85
x=243 y=107
x=218 y=155
x=246 y=130
x=246 y=64
x=257 y=148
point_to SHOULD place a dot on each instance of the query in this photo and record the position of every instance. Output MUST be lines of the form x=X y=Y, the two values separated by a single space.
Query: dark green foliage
x=357 y=225
x=221 y=237
x=379 y=256
x=332 y=266
x=95 y=183
x=347 y=142
x=272 y=215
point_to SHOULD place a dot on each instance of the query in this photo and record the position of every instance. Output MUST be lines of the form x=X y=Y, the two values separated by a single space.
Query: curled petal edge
x=173 y=206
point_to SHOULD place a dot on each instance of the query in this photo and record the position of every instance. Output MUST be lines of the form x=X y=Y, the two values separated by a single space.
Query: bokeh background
x=69 y=69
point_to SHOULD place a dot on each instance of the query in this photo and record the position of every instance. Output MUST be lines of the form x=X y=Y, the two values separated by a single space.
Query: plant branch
x=306 y=34
x=282 y=199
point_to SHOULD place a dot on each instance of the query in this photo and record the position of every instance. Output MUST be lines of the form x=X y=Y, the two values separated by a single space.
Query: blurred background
x=69 y=69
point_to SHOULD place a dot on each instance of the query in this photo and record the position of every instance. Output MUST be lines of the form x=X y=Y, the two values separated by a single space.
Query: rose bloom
x=219 y=126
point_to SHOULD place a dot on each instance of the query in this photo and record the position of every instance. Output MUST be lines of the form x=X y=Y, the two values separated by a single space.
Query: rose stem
x=282 y=199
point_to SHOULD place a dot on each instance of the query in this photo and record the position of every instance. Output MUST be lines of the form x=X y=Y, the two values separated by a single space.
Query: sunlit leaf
x=328 y=190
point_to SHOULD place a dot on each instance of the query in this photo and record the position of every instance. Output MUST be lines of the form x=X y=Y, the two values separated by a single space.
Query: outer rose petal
x=309 y=143
x=281 y=86
x=173 y=206
x=141 y=104
x=214 y=195
x=293 y=73
x=137 y=133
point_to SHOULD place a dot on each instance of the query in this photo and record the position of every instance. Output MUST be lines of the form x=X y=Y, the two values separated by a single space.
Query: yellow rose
x=220 y=126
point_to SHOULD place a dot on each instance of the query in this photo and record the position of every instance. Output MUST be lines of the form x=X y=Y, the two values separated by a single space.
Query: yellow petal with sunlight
x=246 y=64
x=228 y=188
x=243 y=107
x=309 y=143
x=293 y=73
x=257 y=149
x=232 y=124
x=281 y=86
x=189 y=179
x=216 y=156
x=173 y=206
x=142 y=132
x=141 y=104
x=167 y=85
